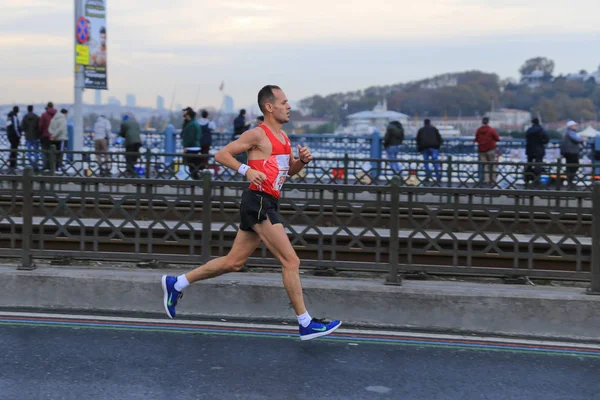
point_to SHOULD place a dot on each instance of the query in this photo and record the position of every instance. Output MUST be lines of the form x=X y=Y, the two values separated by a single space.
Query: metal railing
x=393 y=229
x=324 y=145
x=451 y=172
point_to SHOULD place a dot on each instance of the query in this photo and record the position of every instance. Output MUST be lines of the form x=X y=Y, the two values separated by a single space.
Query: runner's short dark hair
x=266 y=95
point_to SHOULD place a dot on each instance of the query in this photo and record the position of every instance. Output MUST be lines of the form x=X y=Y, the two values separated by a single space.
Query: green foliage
x=541 y=63
x=470 y=93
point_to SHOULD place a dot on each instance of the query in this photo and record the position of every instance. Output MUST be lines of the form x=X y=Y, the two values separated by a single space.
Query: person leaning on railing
x=190 y=141
x=130 y=130
x=102 y=131
x=486 y=138
x=569 y=149
x=59 y=135
x=394 y=136
x=535 y=149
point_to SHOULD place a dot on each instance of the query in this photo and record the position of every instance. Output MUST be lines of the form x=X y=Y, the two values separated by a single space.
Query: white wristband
x=243 y=169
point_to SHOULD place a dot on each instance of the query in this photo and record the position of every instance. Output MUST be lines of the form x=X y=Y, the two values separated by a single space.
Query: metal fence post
x=53 y=156
x=346 y=165
x=595 y=267
x=393 y=278
x=206 y=216
x=558 y=180
x=449 y=171
x=27 y=229
x=148 y=163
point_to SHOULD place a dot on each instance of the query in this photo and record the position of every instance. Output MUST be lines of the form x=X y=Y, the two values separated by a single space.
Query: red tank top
x=275 y=167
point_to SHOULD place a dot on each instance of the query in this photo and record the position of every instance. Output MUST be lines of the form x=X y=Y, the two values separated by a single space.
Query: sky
x=184 y=49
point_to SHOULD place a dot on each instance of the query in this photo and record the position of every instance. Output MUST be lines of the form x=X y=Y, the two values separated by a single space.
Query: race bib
x=283 y=163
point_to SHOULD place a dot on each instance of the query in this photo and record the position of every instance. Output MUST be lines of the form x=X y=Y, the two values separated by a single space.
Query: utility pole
x=79 y=85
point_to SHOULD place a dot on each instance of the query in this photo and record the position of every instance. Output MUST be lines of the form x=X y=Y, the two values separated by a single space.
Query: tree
x=542 y=63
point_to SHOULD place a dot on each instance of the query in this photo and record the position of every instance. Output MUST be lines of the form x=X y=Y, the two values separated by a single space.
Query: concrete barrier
x=491 y=309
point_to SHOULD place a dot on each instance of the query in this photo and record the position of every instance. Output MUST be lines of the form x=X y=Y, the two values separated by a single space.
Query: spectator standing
x=13 y=131
x=45 y=137
x=394 y=136
x=429 y=142
x=130 y=130
x=208 y=127
x=569 y=149
x=59 y=135
x=240 y=126
x=536 y=140
x=102 y=133
x=486 y=138
x=190 y=138
x=31 y=127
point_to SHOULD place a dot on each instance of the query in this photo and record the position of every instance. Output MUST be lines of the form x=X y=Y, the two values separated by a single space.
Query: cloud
x=156 y=44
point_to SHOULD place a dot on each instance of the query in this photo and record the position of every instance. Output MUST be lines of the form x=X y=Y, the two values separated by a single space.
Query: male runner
x=271 y=160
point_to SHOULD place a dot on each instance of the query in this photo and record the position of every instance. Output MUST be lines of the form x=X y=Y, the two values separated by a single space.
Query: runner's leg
x=278 y=243
x=243 y=246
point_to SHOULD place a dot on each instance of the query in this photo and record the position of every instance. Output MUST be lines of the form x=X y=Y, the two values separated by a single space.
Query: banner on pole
x=90 y=44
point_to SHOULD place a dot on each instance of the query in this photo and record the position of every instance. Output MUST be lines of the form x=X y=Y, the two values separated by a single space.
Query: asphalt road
x=62 y=359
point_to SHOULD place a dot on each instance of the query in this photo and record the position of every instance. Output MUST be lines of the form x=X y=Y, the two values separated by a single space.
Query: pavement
x=66 y=357
x=428 y=306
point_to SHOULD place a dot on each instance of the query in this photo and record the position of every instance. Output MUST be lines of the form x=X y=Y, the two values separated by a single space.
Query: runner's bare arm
x=245 y=142
x=296 y=164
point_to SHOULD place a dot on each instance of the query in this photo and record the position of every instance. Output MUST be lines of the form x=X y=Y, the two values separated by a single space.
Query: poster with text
x=90 y=44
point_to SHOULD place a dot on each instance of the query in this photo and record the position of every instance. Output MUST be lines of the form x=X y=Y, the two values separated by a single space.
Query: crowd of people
x=429 y=142
x=49 y=129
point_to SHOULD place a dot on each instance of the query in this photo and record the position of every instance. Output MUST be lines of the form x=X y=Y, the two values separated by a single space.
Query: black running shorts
x=256 y=207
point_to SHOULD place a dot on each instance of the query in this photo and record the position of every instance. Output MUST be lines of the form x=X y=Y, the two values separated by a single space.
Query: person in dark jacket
x=45 y=137
x=394 y=136
x=190 y=140
x=13 y=131
x=536 y=140
x=130 y=130
x=240 y=126
x=486 y=138
x=31 y=127
x=429 y=142
x=208 y=127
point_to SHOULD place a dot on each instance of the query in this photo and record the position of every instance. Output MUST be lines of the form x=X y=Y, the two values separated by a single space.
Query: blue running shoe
x=171 y=296
x=318 y=328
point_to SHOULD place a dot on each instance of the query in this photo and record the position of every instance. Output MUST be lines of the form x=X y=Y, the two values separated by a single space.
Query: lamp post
x=79 y=86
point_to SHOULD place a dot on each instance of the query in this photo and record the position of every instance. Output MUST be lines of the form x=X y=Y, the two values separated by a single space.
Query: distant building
x=228 y=105
x=113 y=101
x=584 y=77
x=98 y=99
x=534 y=79
x=379 y=118
x=130 y=100
x=160 y=103
x=508 y=118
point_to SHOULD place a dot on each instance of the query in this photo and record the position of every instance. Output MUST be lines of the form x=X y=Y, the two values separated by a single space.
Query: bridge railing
x=393 y=229
x=452 y=171
x=322 y=145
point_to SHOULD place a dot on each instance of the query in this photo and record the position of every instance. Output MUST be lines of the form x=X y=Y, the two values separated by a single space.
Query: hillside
x=470 y=93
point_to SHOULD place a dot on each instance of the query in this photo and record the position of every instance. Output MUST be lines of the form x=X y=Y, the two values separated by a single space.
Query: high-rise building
x=160 y=103
x=113 y=101
x=98 y=101
x=130 y=100
x=228 y=105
